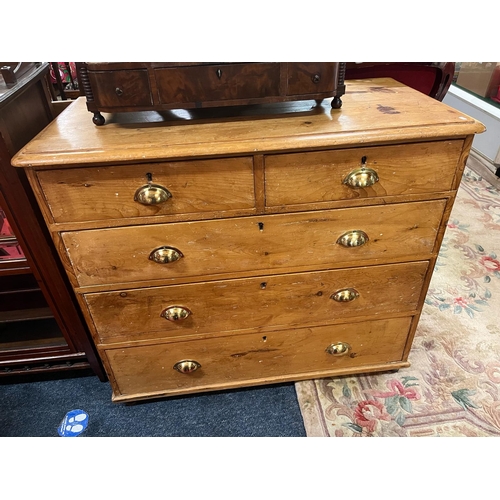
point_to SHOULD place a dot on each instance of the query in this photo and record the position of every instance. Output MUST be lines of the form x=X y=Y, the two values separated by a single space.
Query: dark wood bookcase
x=41 y=329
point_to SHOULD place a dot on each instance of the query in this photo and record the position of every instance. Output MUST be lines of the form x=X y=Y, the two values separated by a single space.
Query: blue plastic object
x=73 y=424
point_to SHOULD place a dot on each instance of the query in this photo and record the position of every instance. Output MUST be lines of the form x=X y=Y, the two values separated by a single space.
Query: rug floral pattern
x=452 y=387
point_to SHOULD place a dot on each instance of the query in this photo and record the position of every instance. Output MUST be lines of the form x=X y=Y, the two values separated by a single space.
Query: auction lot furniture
x=290 y=242
x=141 y=86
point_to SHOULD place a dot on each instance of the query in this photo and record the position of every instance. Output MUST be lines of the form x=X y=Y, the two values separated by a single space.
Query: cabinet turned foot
x=336 y=102
x=98 y=119
x=318 y=102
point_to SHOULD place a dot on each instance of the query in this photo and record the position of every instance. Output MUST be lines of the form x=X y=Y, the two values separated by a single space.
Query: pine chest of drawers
x=292 y=242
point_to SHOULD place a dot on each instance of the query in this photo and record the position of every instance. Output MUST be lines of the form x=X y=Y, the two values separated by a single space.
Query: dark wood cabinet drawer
x=121 y=88
x=310 y=78
x=217 y=82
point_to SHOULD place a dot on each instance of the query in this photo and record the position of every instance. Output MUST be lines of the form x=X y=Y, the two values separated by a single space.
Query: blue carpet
x=36 y=408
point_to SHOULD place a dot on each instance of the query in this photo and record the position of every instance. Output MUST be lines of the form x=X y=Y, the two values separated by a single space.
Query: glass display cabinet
x=40 y=327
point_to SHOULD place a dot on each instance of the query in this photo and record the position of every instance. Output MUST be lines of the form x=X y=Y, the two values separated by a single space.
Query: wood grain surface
x=379 y=110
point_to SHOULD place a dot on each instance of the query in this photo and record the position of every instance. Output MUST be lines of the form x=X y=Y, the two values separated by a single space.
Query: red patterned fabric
x=64 y=72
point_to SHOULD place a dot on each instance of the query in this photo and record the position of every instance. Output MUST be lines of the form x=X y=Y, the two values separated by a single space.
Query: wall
x=486 y=144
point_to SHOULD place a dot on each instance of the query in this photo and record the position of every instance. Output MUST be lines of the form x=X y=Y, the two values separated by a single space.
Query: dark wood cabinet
x=141 y=86
x=41 y=330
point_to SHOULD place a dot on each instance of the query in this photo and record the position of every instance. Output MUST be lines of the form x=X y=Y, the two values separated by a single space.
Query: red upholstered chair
x=433 y=79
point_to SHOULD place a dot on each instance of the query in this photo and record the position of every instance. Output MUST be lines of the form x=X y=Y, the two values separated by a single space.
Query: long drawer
x=254 y=358
x=258 y=304
x=347 y=174
x=299 y=241
x=217 y=82
x=104 y=193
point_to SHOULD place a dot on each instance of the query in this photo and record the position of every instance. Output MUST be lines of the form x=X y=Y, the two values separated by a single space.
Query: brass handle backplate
x=338 y=349
x=345 y=295
x=165 y=255
x=361 y=178
x=152 y=194
x=354 y=238
x=175 y=313
x=187 y=366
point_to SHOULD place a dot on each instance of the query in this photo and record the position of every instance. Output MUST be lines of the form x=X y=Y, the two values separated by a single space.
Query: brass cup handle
x=345 y=295
x=338 y=349
x=354 y=238
x=165 y=255
x=187 y=366
x=175 y=313
x=361 y=178
x=152 y=194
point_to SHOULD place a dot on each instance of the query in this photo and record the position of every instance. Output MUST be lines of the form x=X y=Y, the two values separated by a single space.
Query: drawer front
x=311 y=78
x=121 y=88
x=301 y=178
x=103 y=193
x=299 y=241
x=254 y=358
x=262 y=303
x=217 y=82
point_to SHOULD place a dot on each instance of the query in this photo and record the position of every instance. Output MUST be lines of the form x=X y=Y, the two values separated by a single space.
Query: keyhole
x=363 y=160
x=149 y=177
x=261 y=226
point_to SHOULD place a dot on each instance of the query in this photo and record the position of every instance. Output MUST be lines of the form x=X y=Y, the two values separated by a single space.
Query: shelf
x=25 y=315
x=30 y=334
x=8 y=239
x=15 y=267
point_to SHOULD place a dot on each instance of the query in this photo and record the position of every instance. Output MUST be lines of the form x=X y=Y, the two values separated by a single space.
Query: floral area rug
x=452 y=387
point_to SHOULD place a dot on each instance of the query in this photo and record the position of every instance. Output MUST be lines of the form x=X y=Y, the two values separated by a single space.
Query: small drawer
x=349 y=174
x=262 y=303
x=294 y=242
x=218 y=82
x=119 y=89
x=311 y=78
x=103 y=193
x=250 y=359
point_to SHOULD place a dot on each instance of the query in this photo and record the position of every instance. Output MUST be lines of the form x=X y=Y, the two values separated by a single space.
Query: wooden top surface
x=374 y=111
